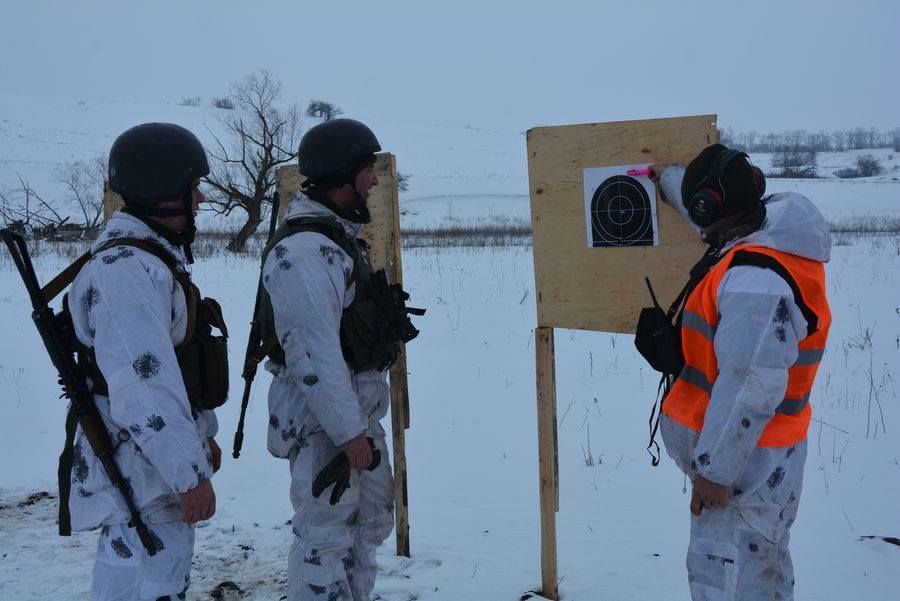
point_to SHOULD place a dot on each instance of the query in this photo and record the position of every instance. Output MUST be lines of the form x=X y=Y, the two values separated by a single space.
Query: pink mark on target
x=634 y=172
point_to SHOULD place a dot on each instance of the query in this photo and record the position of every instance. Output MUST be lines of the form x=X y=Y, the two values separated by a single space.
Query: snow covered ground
x=472 y=446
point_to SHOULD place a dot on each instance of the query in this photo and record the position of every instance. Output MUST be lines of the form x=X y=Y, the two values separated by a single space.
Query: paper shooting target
x=621 y=213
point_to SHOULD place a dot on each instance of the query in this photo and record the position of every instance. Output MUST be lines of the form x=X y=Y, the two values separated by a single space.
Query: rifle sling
x=52 y=289
x=64 y=473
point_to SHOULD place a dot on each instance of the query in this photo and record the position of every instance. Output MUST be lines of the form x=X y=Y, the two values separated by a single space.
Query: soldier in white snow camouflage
x=320 y=404
x=130 y=313
x=752 y=334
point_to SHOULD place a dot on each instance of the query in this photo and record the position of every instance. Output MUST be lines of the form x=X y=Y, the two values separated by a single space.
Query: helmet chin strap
x=361 y=210
x=358 y=213
x=189 y=231
x=184 y=236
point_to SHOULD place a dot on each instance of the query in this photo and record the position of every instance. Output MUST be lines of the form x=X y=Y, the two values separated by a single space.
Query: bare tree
x=868 y=165
x=402 y=181
x=261 y=135
x=24 y=210
x=795 y=163
x=83 y=181
x=322 y=109
x=222 y=103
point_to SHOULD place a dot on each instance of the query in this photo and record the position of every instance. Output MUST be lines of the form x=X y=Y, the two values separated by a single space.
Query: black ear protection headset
x=707 y=205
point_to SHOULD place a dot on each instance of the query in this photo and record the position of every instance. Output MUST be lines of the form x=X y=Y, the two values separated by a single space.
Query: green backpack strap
x=52 y=289
x=145 y=245
x=62 y=281
x=191 y=293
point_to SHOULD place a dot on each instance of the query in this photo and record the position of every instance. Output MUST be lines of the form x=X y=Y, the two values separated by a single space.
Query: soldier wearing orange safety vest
x=752 y=333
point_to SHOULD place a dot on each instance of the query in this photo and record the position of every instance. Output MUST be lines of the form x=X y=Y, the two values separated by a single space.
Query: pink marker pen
x=633 y=172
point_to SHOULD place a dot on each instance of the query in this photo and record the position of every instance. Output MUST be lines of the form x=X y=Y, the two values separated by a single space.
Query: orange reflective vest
x=690 y=395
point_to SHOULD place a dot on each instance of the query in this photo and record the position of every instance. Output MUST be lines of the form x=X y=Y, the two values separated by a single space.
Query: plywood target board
x=594 y=279
x=383 y=232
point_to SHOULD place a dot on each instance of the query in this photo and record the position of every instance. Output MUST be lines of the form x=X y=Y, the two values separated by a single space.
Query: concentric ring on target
x=621 y=213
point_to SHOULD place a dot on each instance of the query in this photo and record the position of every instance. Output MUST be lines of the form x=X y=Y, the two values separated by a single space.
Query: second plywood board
x=112 y=202
x=603 y=289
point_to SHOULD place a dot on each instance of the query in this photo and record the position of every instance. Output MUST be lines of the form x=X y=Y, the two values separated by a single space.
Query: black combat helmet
x=333 y=150
x=155 y=162
x=331 y=154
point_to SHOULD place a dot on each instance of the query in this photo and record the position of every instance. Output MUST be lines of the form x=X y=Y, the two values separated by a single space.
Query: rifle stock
x=252 y=354
x=73 y=383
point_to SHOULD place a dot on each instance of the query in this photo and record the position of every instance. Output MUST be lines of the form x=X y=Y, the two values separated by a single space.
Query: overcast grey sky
x=763 y=65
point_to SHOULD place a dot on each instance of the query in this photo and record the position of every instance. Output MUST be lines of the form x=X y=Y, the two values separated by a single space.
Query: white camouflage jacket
x=755 y=343
x=305 y=276
x=128 y=307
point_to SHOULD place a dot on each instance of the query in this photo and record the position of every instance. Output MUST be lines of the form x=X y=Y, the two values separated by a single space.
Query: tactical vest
x=375 y=324
x=202 y=356
x=689 y=397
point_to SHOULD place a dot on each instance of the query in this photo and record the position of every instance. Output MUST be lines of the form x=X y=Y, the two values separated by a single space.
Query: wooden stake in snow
x=112 y=202
x=580 y=286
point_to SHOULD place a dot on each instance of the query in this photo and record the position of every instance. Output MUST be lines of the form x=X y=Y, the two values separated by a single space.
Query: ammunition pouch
x=376 y=323
x=203 y=358
x=658 y=342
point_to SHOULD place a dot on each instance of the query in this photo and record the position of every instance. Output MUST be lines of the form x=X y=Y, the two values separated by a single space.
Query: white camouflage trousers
x=332 y=557
x=730 y=561
x=740 y=553
x=123 y=571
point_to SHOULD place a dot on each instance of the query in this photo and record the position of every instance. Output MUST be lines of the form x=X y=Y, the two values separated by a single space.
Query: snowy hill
x=471 y=172
x=37 y=134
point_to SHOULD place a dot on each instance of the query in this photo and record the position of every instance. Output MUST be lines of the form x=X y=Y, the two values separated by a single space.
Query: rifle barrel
x=253 y=343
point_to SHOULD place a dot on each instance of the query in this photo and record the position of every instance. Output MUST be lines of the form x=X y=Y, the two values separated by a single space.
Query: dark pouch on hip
x=657 y=340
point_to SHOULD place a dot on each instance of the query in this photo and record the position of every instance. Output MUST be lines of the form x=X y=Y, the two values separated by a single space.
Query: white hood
x=793 y=225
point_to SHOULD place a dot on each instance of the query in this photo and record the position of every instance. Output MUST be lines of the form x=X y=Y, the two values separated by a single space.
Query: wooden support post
x=548 y=457
x=112 y=202
x=399 y=387
x=399 y=421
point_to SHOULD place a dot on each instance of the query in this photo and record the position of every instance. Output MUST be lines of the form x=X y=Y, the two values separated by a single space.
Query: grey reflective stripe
x=793 y=406
x=695 y=321
x=694 y=376
x=809 y=357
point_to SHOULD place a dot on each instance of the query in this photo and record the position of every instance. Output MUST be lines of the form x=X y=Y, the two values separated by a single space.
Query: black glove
x=337 y=472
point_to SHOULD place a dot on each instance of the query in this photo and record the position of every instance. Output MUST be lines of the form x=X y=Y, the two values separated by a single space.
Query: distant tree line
x=801 y=140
